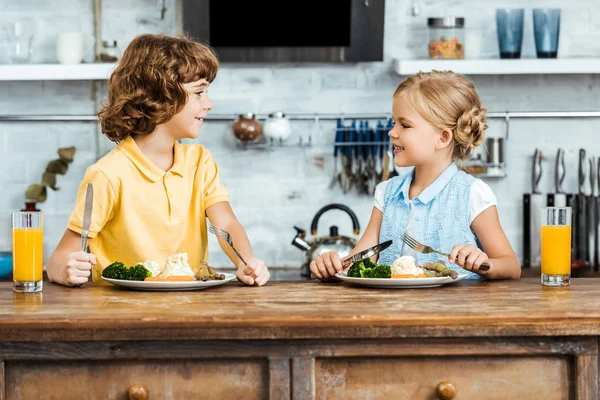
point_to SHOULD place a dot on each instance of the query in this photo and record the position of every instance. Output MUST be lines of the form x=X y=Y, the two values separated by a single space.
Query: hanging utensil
x=339 y=138
x=597 y=219
x=591 y=213
x=581 y=227
x=532 y=202
x=559 y=197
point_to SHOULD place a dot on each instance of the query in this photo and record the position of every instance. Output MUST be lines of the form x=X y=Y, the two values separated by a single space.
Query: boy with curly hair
x=152 y=195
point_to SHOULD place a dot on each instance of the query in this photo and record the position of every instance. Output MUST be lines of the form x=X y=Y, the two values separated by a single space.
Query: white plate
x=401 y=283
x=168 y=286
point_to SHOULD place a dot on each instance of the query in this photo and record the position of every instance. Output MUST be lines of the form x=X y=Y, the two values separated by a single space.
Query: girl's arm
x=328 y=264
x=502 y=258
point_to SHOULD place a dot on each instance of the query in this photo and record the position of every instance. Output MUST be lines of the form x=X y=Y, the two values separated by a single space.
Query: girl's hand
x=255 y=273
x=326 y=266
x=469 y=257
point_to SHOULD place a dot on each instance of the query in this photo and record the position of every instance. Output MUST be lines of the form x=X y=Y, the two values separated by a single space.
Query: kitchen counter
x=303 y=340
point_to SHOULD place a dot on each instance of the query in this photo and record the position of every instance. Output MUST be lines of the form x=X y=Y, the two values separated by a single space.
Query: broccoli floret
x=368 y=269
x=379 y=271
x=138 y=273
x=356 y=269
x=118 y=270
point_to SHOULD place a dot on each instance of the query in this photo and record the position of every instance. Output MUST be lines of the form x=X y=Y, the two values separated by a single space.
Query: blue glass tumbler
x=546 y=28
x=509 y=27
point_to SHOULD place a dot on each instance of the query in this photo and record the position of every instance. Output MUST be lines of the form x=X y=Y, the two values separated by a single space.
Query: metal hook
x=507 y=127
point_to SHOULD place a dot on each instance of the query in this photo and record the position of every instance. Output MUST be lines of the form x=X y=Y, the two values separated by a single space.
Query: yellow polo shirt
x=142 y=212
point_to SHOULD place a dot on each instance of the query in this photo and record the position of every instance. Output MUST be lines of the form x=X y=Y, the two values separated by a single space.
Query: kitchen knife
x=582 y=240
x=597 y=219
x=590 y=203
x=87 y=216
x=559 y=197
x=370 y=252
x=532 y=202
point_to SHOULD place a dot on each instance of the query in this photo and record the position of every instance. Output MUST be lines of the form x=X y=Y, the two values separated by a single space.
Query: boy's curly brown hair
x=146 y=87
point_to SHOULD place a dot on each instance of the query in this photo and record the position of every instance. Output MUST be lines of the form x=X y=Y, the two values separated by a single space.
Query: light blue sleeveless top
x=441 y=216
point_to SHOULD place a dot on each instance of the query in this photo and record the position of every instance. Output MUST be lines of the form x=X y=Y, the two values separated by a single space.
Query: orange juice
x=556 y=249
x=28 y=247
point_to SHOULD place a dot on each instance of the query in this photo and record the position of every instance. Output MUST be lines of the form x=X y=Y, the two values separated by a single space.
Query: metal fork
x=223 y=234
x=421 y=248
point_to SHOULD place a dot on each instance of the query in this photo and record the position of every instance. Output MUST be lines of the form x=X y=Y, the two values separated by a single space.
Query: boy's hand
x=326 y=266
x=78 y=268
x=255 y=273
x=469 y=257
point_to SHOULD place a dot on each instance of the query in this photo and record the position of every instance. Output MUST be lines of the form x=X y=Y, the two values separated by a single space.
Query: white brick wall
x=272 y=191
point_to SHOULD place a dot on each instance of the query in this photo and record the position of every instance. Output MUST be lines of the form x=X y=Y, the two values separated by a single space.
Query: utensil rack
x=498 y=170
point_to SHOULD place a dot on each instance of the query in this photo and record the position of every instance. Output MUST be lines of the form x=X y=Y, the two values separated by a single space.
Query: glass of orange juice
x=28 y=249
x=556 y=246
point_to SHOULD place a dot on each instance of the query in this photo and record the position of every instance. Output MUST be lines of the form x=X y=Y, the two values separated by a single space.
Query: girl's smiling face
x=186 y=123
x=415 y=140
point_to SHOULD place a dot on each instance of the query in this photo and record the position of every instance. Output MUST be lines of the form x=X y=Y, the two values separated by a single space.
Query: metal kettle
x=343 y=245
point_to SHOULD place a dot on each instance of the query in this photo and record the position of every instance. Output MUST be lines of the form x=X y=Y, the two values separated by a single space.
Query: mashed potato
x=177 y=264
x=406 y=265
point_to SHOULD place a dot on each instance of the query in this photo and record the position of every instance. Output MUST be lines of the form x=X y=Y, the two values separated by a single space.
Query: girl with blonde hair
x=438 y=120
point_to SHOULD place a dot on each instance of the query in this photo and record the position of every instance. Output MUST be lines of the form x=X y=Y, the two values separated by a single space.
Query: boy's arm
x=221 y=216
x=67 y=265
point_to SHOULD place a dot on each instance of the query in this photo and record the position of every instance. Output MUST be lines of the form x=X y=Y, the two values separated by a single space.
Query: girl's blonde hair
x=448 y=100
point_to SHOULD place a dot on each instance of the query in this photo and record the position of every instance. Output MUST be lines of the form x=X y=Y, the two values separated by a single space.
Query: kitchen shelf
x=59 y=72
x=521 y=66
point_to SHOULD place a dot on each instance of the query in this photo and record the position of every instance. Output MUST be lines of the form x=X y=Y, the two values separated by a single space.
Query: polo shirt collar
x=432 y=190
x=147 y=167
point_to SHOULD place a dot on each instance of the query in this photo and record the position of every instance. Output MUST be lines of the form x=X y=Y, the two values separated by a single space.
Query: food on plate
x=368 y=269
x=177 y=264
x=205 y=273
x=402 y=267
x=153 y=267
x=176 y=269
x=172 y=278
x=406 y=267
x=433 y=269
x=118 y=270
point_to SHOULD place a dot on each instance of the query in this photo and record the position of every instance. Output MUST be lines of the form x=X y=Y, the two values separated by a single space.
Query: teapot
x=343 y=245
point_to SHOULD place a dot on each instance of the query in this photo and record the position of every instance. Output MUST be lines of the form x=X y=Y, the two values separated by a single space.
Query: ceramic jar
x=277 y=127
x=246 y=128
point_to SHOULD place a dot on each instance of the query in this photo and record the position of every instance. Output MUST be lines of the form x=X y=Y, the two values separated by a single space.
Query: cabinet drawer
x=101 y=380
x=487 y=378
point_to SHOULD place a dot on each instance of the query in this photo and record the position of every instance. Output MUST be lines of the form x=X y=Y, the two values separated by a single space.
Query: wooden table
x=302 y=340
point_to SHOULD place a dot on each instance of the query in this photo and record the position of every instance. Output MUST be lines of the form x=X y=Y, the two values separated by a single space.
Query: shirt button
x=170 y=195
x=417 y=219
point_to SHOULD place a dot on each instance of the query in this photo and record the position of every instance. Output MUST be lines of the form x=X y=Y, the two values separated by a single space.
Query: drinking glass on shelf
x=556 y=246
x=509 y=27
x=28 y=249
x=22 y=38
x=546 y=29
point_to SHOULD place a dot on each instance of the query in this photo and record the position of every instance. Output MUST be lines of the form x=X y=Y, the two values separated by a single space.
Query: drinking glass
x=22 y=39
x=556 y=246
x=546 y=29
x=28 y=249
x=509 y=27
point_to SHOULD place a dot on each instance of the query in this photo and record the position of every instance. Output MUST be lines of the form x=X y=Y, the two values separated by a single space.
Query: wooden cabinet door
x=490 y=378
x=100 y=380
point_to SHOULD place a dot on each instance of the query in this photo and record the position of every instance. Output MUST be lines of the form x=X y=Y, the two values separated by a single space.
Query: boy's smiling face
x=186 y=123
